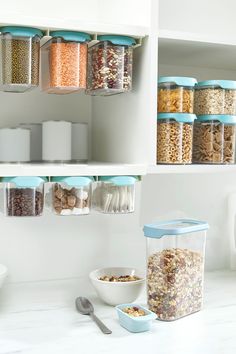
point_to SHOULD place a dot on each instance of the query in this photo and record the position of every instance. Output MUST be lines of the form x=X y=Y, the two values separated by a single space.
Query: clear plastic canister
x=215 y=97
x=19 y=58
x=175 y=267
x=115 y=194
x=64 y=62
x=174 y=138
x=71 y=195
x=23 y=196
x=110 y=64
x=214 y=139
x=176 y=94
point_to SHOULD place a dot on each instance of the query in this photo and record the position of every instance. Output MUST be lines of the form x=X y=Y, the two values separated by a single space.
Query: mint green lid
x=222 y=118
x=72 y=36
x=119 y=180
x=179 y=117
x=74 y=181
x=21 y=31
x=178 y=80
x=122 y=40
x=225 y=84
x=25 y=181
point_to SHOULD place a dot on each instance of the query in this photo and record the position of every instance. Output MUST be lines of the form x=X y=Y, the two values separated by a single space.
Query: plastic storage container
x=176 y=94
x=64 y=62
x=110 y=65
x=115 y=194
x=19 y=66
x=174 y=138
x=215 y=97
x=79 y=148
x=175 y=267
x=24 y=196
x=35 y=139
x=14 y=145
x=71 y=195
x=214 y=139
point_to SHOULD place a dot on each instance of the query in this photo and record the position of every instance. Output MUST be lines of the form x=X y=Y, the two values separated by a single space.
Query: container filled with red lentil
x=110 y=64
x=64 y=62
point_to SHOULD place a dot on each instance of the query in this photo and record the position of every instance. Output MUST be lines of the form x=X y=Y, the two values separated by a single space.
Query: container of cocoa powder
x=23 y=196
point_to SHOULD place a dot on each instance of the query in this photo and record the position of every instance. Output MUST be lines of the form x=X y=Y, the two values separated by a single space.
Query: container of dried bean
x=115 y=194
x=176 y=94
x=174 y=138
x=64 y=62
x=71 y=195
x=215 y=97
x=19 y=58
x=214 y=139
x=110 y=64
x=23 y=196
x=175 y=267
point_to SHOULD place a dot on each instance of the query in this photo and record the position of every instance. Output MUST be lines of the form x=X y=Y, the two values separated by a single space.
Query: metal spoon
x=85 y=307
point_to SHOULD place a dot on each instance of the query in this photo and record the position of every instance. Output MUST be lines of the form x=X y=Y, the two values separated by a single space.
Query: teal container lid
x=72 y=36
x=74 y=181
x=122 y=40
x=225 y=84
x=174 y=228
x=178 y=80
x=25 y=181
x=119 y=180
x=21 y=31
x=179 y=117
x=223 y=118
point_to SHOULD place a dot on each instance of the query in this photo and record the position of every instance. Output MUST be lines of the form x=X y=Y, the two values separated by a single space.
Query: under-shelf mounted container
x=23 y=196
x=19 y=58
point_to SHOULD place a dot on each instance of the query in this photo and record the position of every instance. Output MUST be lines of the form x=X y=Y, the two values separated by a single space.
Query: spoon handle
x=100 y=324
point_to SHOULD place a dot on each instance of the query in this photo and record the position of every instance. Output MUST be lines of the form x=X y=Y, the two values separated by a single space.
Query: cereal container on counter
x=71 y=195
x=64 y=62
x=19 y=58
x=174 y=138
x=115 y=194
x=176 y=94
x=175 y=267
x=23 y=196
x=215 y=97
x=110 y=65
x=214 y=139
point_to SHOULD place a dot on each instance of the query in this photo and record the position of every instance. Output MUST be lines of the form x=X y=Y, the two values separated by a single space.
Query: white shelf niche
x=190 y=169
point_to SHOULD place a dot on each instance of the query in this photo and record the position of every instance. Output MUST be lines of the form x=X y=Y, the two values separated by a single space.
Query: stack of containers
x=175 y=120
x=214 y=129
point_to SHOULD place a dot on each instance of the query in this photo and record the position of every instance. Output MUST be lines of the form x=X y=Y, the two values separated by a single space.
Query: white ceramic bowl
x=3 y=274
x=115 y=293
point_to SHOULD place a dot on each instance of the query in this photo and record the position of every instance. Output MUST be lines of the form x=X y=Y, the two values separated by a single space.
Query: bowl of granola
x=117 y=285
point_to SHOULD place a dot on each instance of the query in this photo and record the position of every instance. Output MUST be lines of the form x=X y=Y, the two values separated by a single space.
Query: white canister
x=79 y=142
x=56 y=141
x=36 y=140
x=14 y=145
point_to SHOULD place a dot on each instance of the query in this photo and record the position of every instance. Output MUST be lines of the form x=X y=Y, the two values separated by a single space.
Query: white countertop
x=41 y=318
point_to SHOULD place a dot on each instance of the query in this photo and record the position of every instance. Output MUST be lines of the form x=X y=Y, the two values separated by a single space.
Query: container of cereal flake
x=71 y=195
x=174 y=138
x=23 y=196
x=64 y=62
x=175 y=267
x=215 y=97
x=176 y=94
x=110 y=64
x=115 y=194
x=19 y=58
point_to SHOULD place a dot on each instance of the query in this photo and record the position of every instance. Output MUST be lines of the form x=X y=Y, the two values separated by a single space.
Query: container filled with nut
x=176 y=94
x=19 y=58
x=115 y=194
x=175 y=267
x=214 y=139
x=174 y=138
x=23 y=196
x=215 y=97
x=110 y=64
x=71 y=195
x=64 y=62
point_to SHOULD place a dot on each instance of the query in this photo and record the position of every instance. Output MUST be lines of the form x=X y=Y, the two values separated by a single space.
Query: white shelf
x=90 y=169
x=190 y=169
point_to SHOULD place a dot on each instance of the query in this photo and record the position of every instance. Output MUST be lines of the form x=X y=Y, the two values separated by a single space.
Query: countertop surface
x=41 y=318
